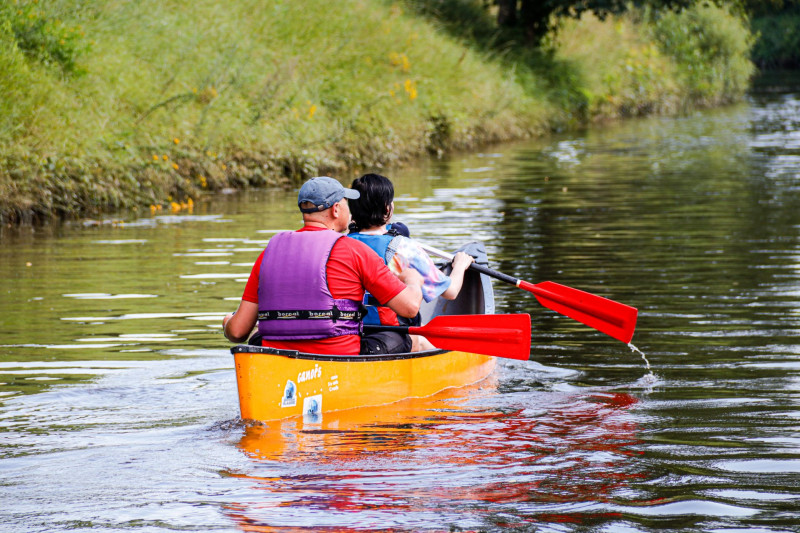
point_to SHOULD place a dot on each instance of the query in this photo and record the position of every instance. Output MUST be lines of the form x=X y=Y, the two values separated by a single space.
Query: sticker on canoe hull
x=289 y=398
x=312 y=405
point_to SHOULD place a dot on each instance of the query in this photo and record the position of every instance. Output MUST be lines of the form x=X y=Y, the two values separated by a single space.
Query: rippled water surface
x=118 y=405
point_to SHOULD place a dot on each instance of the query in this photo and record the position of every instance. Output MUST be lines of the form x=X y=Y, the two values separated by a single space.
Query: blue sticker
x=289 y=398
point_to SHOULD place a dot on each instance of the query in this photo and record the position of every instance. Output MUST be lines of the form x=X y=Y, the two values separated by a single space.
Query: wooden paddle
x=499 y=335
x=610 y=317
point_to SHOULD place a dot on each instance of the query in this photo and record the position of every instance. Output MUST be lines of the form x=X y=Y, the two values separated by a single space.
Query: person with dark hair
x=306 y=289
x=371 y=213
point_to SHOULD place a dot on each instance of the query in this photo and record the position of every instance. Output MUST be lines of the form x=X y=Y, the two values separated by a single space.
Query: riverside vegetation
x=118 y=104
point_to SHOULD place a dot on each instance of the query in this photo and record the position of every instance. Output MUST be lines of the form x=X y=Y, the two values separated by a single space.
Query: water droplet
x=649 y=378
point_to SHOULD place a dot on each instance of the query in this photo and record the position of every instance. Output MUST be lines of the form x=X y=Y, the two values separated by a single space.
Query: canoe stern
x=275 y=384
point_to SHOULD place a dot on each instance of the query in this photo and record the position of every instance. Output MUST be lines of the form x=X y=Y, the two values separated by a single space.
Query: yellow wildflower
x=175 y=166
x=176 y=140
x=155 y=157
x=312 y=110
x=399 y=60
x=165 y=157
x=411 y=88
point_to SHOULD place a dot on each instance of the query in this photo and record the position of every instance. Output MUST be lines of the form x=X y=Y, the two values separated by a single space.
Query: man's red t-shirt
x=352 y=267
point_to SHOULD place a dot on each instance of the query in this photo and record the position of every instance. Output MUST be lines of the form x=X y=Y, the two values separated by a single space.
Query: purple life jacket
x=294 y=300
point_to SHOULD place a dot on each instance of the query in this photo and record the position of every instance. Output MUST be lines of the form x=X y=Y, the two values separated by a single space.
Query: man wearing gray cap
x=306 y=288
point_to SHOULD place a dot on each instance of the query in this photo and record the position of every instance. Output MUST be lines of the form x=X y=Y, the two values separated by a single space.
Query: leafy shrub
x=711 y=47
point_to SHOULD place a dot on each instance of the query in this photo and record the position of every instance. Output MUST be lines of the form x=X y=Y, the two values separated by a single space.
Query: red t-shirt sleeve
x=354 y=266
x=251 y=289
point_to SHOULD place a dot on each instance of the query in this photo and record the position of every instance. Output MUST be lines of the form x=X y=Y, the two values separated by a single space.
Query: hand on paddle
x=461 y=262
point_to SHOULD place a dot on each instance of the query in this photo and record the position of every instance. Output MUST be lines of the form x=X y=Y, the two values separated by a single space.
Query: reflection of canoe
x=351 y=433
x=400 y=466
x=275 y=384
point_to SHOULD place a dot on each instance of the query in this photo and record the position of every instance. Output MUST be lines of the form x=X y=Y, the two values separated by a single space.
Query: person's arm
x=237 y=325
x=402 y=293
x=461 y=262
x=408 y=301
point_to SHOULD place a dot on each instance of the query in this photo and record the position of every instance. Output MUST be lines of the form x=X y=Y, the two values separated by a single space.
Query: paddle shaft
x=530 y=287
x=612 y=318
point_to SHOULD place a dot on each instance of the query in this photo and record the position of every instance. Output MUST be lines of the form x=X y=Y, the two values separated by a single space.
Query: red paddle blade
x=612 y=318
x=499 y=335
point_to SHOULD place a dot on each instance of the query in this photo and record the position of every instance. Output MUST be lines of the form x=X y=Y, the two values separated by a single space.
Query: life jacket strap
x=333 y=314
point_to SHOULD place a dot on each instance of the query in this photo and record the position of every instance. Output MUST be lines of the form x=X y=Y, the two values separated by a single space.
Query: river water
x=118 y=405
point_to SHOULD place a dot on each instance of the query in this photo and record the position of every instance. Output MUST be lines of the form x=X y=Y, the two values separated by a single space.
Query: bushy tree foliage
x=759 y=8
x=533 y=17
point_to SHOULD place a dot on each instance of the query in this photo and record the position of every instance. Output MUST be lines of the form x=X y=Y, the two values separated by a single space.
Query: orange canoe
x=275 y=384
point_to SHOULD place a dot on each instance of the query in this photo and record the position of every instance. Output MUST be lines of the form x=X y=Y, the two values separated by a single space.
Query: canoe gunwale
x=294 y=354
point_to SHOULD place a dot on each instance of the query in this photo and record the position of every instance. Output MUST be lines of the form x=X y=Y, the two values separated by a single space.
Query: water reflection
x=434 y=460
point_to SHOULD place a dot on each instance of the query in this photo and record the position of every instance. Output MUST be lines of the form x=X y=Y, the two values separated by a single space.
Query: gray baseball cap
x=323 y=192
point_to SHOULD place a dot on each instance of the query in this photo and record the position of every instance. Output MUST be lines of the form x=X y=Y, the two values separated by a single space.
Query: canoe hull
x=275 y=384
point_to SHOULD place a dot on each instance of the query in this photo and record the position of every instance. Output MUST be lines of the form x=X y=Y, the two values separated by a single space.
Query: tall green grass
x=123 y=103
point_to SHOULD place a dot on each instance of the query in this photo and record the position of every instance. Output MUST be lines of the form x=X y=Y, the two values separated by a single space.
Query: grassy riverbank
x=122 y=104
